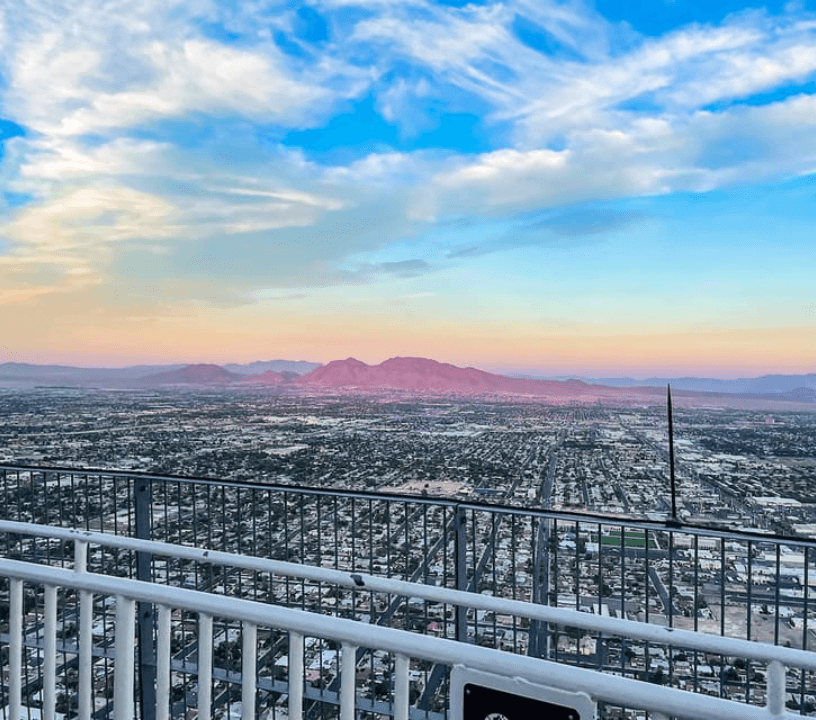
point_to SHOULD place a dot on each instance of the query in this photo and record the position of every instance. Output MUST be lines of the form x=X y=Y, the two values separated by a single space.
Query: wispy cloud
x=583 y=221
x=465 y=252
x=369 y=272
x=163 y=127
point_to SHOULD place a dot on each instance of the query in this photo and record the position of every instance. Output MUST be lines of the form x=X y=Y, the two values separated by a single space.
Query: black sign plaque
x=486 y=703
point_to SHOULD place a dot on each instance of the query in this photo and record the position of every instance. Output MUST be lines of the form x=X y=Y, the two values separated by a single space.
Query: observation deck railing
x=713 y=581
x=107 y=670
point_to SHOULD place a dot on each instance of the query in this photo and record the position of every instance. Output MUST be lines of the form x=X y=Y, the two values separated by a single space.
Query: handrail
x=621 y=627
x=470 y=505
x=600 y=686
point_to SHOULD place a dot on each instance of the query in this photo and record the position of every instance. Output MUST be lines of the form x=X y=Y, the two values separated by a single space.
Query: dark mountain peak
x=197 y=374
x=417 y=374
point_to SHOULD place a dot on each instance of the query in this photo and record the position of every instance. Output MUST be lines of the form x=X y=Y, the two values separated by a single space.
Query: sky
x=532 y=186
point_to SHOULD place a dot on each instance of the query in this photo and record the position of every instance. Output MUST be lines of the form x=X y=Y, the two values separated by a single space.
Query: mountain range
x=299 y=367
x=764 y=384
x=423 y=375
x=14 y=374
x=411 y=375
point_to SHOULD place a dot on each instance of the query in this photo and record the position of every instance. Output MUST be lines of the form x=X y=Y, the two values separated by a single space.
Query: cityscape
x=540 y=437
x=586 y=486
x=751 y=468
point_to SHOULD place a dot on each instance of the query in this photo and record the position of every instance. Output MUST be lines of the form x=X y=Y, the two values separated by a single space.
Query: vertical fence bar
x=163 y=664
x=295 y=676
x=577 y=569
x=142 y=492
x=599 y=639
x=348 y=674
x=722 y=586
x=205 y=651
x=670 y=609
x=460 y=549
x=401 y=687
x=336 y=538
x=646 y=579
x=249 y=667
x=15 y=647
x=85 y=690
x=371 y=536
x=695 y=674
x=776 y=594
x=123 y=700
x=805 y=611
x=406 y=545
x=552 y=588
x=749 y=589
x=50 y=648
x=748 y=629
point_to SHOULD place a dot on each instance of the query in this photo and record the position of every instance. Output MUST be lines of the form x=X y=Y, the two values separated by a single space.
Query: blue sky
x=553 y=187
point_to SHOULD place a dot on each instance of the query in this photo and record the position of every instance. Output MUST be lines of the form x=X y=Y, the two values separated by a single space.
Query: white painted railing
x=405 y=647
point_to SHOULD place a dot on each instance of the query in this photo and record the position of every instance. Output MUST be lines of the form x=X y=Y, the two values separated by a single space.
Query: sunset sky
x=534 y=186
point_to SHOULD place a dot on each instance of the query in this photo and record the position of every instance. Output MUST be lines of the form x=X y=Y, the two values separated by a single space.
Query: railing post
x=15 y=648
x=348 y=688
x=402 y=687
x=460 y=548
x=145 y=613
x=776 y=688
x=296 y=672
x=123 y=669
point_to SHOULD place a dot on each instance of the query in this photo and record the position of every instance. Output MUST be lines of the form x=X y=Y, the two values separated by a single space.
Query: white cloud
x=82 y=76
x=88 y=67
x=447 y=40
x=79 y=231
x=285 y=196
x=703 y=152
x=545 y=97
x=198 y=75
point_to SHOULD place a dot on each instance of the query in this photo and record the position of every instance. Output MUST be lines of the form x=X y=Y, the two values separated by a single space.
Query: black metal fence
x=728 y=582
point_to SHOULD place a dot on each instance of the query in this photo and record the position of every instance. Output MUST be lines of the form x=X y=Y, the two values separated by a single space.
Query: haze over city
x=550 y=188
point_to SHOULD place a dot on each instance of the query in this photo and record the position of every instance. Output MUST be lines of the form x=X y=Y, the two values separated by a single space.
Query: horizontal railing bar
x=600 y=686
x=495 y=508
x=504 y=606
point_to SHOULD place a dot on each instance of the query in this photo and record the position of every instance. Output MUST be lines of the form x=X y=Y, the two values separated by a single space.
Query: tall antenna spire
x=673 y=520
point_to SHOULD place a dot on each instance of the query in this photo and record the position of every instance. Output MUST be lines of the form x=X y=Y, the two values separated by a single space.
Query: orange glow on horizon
x=91 y=337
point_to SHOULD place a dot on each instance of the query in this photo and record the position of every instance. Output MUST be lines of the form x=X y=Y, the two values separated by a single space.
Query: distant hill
x=208 y=374
x=421 y=375
x=28 y=375
x=201 y=374
x=759 y=385
x=801 y=394
x=424 y=375
x=299 y=367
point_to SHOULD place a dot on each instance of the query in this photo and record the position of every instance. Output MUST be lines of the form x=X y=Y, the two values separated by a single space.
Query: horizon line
x=525 y=372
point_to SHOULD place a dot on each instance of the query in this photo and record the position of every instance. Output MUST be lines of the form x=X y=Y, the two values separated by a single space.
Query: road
x=539 y=631
x=662 y=593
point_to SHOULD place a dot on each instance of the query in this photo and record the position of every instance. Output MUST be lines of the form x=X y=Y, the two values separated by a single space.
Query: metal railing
x=33 y=634
x=736 y=584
